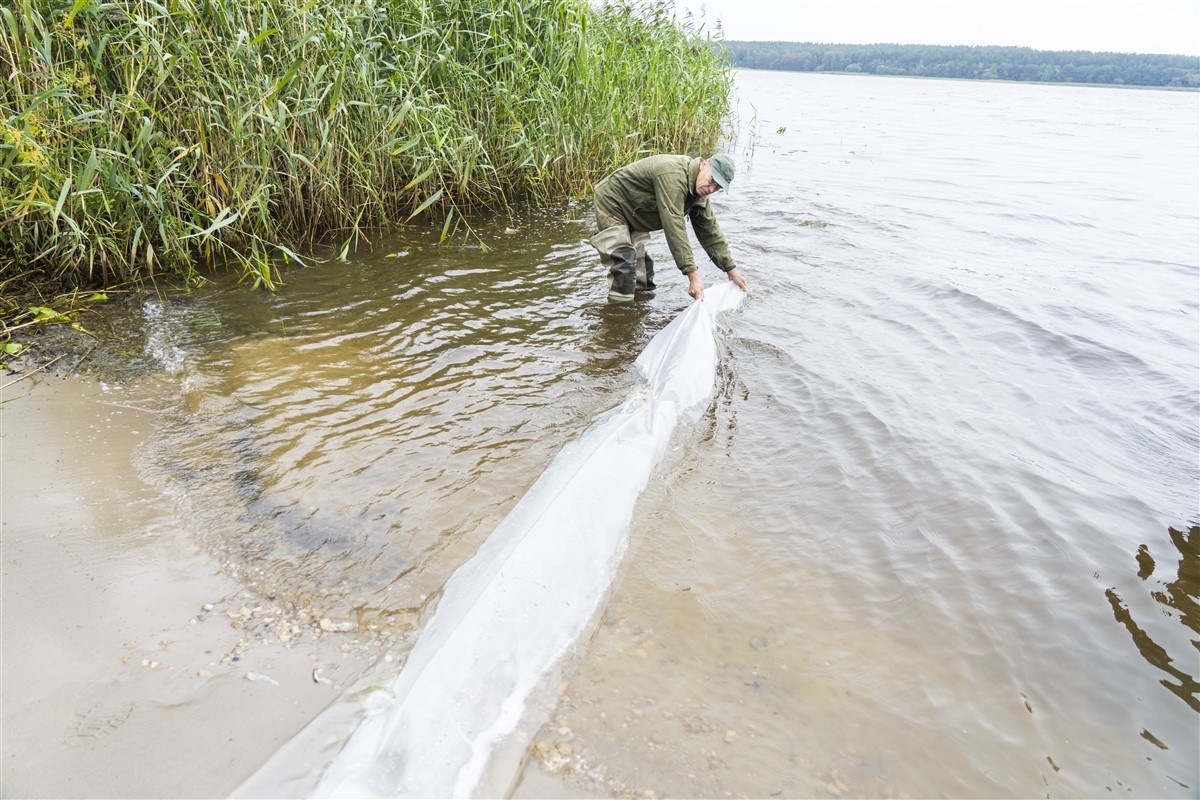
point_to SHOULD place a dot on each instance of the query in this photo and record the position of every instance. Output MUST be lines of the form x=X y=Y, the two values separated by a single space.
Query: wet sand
x=131 y=665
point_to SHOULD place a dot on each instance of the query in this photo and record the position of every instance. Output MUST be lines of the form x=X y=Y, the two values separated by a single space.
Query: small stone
x=730 y=736
x=563 y=748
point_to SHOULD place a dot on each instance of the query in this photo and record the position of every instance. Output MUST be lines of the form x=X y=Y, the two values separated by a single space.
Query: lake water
x=936 y=535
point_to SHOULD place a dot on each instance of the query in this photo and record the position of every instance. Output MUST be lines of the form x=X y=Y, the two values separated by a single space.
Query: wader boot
x=645 y=271
x=622 y=273
x=619 y=256
x=623 y=254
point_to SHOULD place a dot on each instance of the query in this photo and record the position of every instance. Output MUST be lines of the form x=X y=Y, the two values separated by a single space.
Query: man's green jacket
x=656 y=193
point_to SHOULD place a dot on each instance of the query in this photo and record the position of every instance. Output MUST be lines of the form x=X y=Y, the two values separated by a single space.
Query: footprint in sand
x=96 y=721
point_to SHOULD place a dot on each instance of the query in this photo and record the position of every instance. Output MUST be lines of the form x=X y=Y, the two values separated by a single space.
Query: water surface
x=936 y=535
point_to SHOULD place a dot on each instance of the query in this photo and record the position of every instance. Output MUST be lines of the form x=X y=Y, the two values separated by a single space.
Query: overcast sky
x=1124 y=26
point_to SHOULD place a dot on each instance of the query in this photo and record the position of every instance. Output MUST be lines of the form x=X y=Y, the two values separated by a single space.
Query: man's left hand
x=737 y=278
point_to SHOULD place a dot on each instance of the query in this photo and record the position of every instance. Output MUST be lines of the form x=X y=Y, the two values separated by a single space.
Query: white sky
x=1123 y=26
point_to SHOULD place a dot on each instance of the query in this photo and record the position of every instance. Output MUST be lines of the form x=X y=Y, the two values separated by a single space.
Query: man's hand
x=737 y=278
x=695 y=285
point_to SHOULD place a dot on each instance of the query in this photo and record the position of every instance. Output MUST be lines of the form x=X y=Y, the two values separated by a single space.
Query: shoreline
x=131 y=664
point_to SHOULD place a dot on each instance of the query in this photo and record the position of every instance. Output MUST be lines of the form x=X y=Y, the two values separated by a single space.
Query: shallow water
x=935 y=536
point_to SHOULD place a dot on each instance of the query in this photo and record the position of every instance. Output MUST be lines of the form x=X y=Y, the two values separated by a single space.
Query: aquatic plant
x=149 y=138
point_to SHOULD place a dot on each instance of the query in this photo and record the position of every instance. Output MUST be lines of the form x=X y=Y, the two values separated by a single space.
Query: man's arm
x=670 y=193
x=708 y=232
x=710 y=236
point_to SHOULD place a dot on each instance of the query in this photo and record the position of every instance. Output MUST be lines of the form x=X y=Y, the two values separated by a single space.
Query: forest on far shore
x=979 y=63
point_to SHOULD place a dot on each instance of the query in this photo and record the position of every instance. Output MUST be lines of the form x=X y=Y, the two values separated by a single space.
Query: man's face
x=705 y=185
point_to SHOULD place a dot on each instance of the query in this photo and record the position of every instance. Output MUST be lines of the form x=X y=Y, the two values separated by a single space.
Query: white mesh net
x=508 y=616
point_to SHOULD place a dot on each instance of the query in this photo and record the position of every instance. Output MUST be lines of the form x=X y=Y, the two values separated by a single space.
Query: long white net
x=509 y=616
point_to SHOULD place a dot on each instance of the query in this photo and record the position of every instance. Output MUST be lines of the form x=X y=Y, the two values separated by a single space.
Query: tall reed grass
x=149 y=138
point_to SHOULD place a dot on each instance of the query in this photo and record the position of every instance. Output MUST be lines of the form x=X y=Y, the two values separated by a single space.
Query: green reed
x=146 y=138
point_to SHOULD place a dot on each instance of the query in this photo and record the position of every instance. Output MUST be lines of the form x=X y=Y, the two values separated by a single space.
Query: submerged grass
x=142 y=139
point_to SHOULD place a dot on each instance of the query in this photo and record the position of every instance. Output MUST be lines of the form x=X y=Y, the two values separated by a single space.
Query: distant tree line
x=981 y=63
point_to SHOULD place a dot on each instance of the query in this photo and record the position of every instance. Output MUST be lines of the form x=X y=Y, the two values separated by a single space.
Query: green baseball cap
x=722 y=169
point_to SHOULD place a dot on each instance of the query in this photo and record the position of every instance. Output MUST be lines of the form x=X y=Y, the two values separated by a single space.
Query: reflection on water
x=1182 y=597
x=621 y=330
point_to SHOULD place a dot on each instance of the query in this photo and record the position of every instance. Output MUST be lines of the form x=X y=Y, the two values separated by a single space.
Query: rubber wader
x=623 y=254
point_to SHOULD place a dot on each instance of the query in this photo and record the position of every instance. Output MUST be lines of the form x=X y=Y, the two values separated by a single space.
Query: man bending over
x=658 y=193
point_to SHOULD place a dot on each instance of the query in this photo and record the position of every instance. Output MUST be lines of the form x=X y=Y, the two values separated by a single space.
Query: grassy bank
x=142 y=139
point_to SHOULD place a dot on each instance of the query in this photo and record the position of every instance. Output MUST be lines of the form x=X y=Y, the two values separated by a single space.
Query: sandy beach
x=132 y=666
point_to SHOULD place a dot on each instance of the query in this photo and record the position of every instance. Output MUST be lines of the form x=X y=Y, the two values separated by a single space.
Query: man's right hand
x=696 y=285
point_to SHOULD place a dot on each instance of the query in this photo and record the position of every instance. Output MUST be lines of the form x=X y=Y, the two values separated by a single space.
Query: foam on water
x=509 y=616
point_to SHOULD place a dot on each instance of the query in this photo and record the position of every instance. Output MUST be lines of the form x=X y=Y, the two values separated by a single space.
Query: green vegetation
x=985 y=63
x=18 y=323
x=142 y=139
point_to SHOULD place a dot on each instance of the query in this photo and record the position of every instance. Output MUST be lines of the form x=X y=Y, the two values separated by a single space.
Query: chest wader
x=623 y=253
